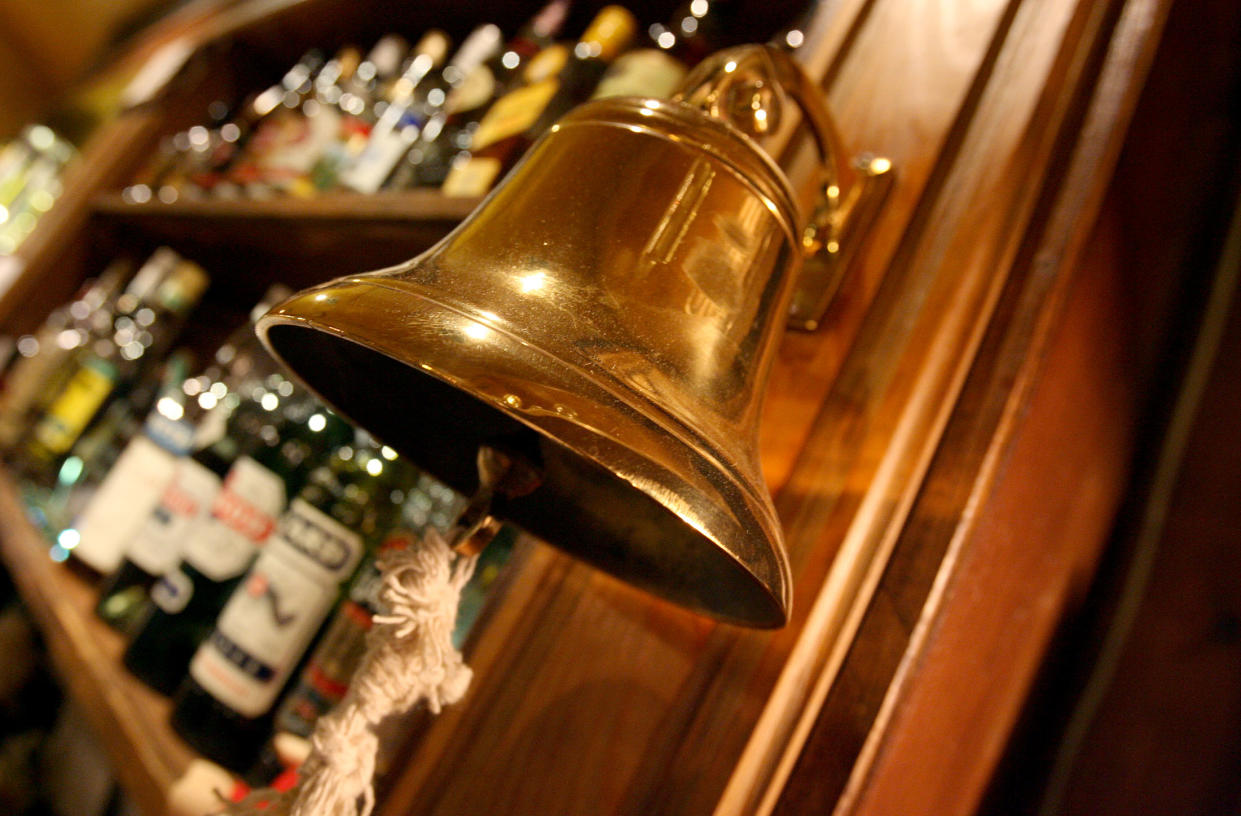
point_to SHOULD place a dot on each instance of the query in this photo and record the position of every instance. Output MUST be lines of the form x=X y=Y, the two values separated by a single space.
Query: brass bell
x=609 y=314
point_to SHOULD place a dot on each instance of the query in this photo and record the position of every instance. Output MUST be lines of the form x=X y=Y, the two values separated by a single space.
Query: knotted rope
x=410 y=657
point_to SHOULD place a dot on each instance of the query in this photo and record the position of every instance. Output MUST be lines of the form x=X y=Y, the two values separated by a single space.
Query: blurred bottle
x=108 y=369
x=656 y=70
x=289 y=136
x=30 y=182
x=521 y=116
x=450 y=131
x=157 y=518
x=285 y=162
x=274 y=437
x=224 y=706
x=421 y=91
x=359 y=104
x=45 y=356
x=163 y=177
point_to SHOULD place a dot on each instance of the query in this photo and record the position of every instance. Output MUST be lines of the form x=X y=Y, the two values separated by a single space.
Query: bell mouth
x=621 y=489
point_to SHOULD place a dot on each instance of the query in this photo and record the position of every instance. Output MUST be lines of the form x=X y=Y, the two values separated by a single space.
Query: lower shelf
x=129 y=719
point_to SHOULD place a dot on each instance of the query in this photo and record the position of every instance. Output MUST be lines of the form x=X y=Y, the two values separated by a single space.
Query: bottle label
x=648 y=72
x=473 y=177
x=473 y=92
x=546 y=64
x=68 y=416
x=242 y=516
x=272 y=616
x=325 y=679
x=514 y=113
x=383 y=150
x=184 y=504
x=124 y=499
x=173 y=435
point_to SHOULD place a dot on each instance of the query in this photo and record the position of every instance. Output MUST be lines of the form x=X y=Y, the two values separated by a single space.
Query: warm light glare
x=69 y=538
x=41 y=137
x=533 y=282
x=170 y=408
x=317 y=422
x=374 y=467
x=269 y=402
x=476 y=331
x=388 y=453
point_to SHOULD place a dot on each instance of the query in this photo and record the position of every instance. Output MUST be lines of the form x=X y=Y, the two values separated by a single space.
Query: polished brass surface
x=744 y=86
x=610 y=312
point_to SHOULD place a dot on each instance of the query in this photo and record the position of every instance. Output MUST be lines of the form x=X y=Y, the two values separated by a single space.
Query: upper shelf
x=301 y=241
x=404 y=207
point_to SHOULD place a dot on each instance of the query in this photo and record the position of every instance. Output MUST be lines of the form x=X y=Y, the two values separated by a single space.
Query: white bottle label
x=386 y=146
x=125 y=498
x=242 y=517
x=273 y=615
x=185 y=504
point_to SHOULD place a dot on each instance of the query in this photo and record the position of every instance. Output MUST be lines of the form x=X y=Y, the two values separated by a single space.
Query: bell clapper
x=502 y=472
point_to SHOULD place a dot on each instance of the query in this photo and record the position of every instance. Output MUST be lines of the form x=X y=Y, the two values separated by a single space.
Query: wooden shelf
x=129 y=719
x=301 y=241
x=399 y=207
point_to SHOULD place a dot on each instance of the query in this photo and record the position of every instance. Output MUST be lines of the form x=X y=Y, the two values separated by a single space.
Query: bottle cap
x=434 y=44
x=547 y=23
x=478 y=46
x=386 y=55
x=610 y=32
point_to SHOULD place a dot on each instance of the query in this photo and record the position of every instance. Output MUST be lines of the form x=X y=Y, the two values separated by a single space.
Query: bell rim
x=775 y=587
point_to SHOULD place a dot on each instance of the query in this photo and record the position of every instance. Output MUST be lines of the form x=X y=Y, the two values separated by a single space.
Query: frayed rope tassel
x=409 y=658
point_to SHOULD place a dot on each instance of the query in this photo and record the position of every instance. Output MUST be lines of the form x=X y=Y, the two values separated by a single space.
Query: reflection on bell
x=611 y=312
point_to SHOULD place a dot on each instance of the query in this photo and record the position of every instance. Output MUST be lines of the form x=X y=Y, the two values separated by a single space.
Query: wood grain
x=910 y=428
x=129 y=719
x=856 y=444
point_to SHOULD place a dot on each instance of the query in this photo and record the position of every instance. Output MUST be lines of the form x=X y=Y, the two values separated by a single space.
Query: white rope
x=410 y=657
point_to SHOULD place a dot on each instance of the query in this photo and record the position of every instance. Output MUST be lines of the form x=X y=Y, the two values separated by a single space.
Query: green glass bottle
x=224 y=707
x=151 y=547
x=108 y=370
x=275 y=448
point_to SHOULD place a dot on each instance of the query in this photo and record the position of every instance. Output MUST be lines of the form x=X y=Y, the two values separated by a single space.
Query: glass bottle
x=232 y=144
x=520 y=116
x=44 y=361
x=415 y=98
x=270 y=446
x=148 y=544
x=224 y=706
x=359 y=103
x=695 y=30
x=108 y=369
x=449 y=131
x=289 y=135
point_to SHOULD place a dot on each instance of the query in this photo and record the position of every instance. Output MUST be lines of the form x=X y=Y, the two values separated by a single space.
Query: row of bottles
x=427 y=116
x=31 y=165
x=235 y=523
